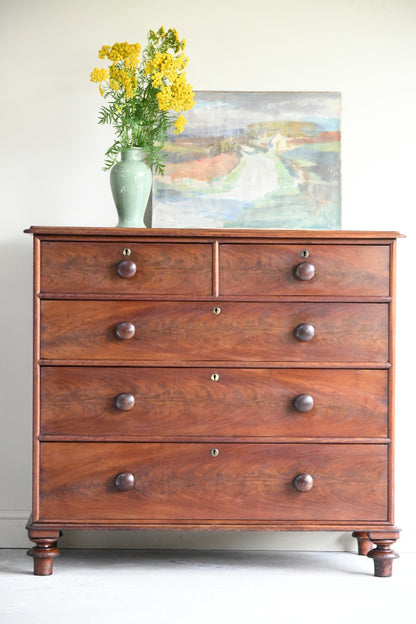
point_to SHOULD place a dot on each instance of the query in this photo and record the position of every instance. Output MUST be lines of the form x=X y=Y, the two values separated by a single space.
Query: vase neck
x=133 y=153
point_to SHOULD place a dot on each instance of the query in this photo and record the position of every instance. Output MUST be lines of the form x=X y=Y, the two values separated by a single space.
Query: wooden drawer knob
x=305 y=271
x=303 y=482
x=304 y=332
x=125 y=330
x=124 y=481
x=303 y=402
x=125 y=401
x=126 y=268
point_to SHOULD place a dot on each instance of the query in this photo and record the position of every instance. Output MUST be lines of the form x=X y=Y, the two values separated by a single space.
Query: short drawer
x=190 y=331
x=213 y=402
x=126 y=268
x=166 y=482
x=271 y=269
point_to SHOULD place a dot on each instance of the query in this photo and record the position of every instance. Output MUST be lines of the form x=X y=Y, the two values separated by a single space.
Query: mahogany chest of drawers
x=213 y=379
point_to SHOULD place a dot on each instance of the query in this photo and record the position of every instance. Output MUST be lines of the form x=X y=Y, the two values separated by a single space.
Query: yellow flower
x=98 y=75
x=182 y=94
x=164 y=98
x=148 y=68
x=123 y=51
x=179 y=124
x=122 y=78
x=102 y=54
x=157 y=79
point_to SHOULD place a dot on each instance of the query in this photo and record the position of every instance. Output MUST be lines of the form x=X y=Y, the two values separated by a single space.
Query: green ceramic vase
x=131 y=182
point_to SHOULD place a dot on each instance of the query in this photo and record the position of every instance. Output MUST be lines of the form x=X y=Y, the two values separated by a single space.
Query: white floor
x=208 y=587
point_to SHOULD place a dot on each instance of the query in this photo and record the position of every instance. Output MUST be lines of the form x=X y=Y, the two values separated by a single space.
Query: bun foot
x=43 y=554
x=383 y=556
x=364 y=544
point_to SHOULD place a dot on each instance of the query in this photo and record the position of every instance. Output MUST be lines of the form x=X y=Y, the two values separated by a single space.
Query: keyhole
x=126 y=251
x=214 y=452
x=216 y=311
x=304 y=253
x=215 y=377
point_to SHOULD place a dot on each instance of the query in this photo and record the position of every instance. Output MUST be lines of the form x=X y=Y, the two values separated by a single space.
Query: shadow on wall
x=16 y=372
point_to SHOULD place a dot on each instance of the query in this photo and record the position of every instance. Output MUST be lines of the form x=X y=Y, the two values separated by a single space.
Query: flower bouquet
x=144 y=97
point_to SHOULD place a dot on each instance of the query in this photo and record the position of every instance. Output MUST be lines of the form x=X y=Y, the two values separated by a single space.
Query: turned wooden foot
x=44 y=552
x=364 y=544
x=383 y=556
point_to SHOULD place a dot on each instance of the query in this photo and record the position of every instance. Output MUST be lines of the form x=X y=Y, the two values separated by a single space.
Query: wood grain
x=189 y=419
x=108 y=233
x=173 y=402
x=271 y=270
x=190 y=331
x=245 y=481
x=176 y=269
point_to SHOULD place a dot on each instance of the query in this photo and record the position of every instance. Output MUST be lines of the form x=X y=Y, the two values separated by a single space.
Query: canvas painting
x=253 y=160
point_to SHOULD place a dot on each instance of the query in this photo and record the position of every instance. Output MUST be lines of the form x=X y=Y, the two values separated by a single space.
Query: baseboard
x=13 y=532
x=210 y=540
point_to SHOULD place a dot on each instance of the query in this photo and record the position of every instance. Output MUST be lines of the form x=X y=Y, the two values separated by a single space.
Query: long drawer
x=126 y=267
x=125 y=401
x=170 y=481
x=194 y=331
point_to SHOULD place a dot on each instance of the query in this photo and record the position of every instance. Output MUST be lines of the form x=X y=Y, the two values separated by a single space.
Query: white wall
x=52 y=151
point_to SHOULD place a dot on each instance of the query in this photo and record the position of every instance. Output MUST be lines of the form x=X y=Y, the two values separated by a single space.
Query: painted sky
x=230 y=111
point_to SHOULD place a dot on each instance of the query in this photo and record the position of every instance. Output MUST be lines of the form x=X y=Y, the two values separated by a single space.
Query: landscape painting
x=253 y=160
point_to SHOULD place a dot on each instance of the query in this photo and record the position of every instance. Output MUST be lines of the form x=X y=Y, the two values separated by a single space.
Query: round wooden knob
x=304 y=332
x=305 y=271
x=125 y=330
x=124 y=481
x=303 y=402
x=126 y=268
x=125 y=401
x=303 y=482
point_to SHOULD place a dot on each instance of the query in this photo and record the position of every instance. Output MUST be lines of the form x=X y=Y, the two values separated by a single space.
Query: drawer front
x=348 y=270
x=185 y=331
x=150 y=268
x=213 y=402
x=176 y=482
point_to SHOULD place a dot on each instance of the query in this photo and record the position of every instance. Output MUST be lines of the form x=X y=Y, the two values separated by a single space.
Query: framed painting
x=253 y=160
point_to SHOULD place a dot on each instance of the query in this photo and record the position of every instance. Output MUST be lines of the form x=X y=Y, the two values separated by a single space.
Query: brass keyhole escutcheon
x=214 y=452
x=215 y=377
x=126 y=252
x=304 y=253
x=216 y=310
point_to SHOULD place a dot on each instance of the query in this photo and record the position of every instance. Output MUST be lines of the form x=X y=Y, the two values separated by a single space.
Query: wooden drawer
x=245 y=482
x=190 y=331
x=270 y=269
x=161 y=268
x=188 y=402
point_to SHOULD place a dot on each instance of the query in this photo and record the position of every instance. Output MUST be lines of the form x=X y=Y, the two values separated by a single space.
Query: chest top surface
x=222 y=233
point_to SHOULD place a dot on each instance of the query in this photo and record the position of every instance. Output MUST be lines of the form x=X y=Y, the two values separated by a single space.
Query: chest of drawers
x=213 y=379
